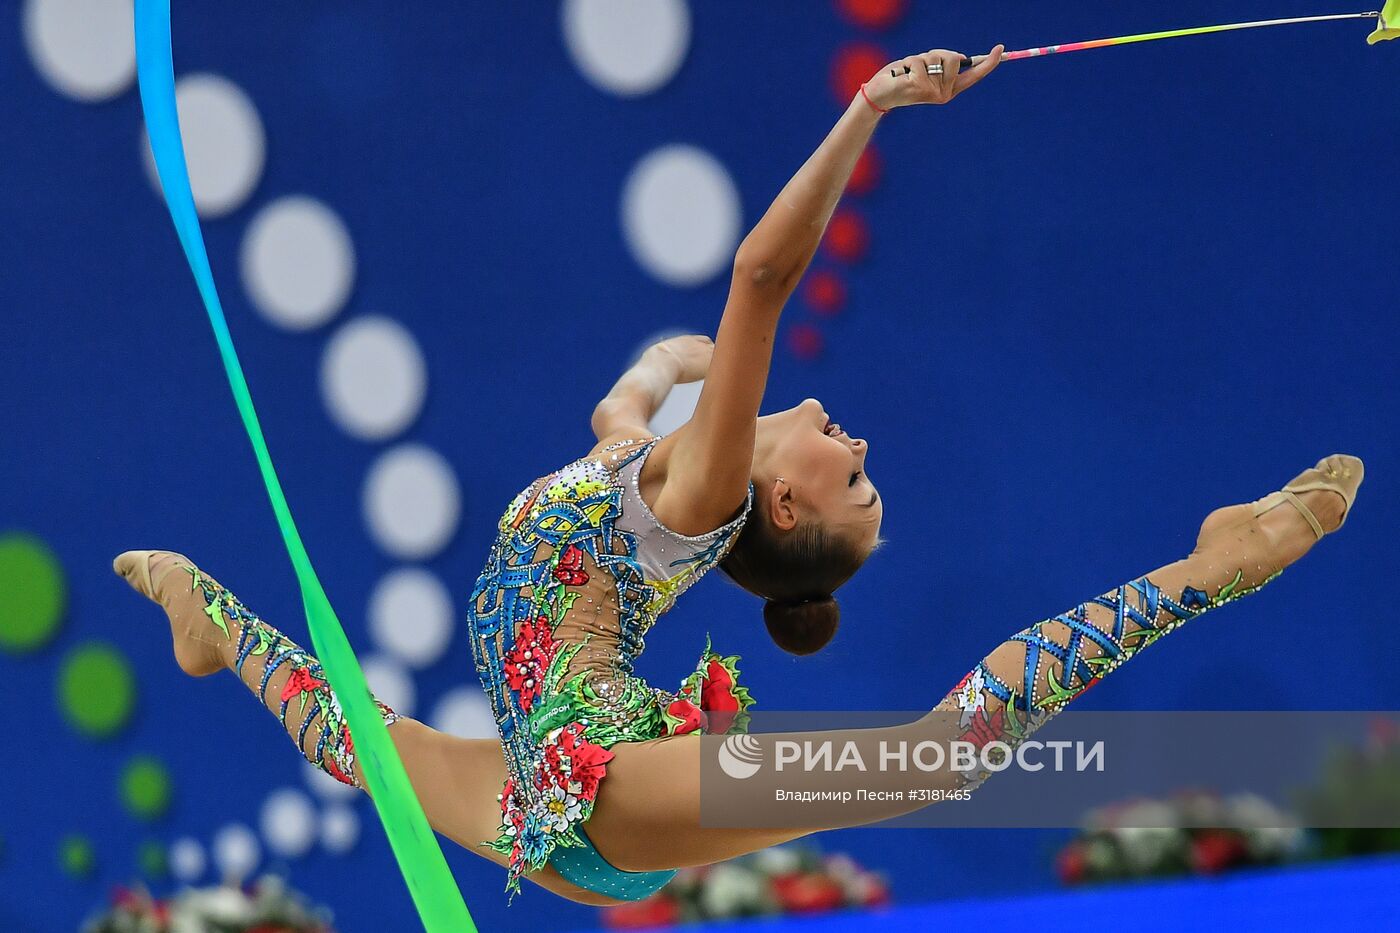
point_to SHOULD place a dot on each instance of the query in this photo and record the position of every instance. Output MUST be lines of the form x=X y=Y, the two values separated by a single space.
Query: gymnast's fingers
x=931 y=72
x=948 y=80
x=940 y=85
x=980 y=70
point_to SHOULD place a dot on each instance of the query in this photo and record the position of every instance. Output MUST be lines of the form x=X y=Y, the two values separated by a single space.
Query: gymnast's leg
x=456 y=779
x=648 y=810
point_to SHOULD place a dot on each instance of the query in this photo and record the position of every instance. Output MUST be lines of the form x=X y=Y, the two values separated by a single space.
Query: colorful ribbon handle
x=434 y=892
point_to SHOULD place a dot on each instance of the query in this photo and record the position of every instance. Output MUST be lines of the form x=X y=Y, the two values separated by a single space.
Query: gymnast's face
x=817 y=473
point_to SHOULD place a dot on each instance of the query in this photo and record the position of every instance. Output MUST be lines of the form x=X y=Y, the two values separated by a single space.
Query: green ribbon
x=434 y=892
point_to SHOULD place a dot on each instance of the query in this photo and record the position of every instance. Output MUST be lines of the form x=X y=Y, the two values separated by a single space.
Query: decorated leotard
x=579 y=571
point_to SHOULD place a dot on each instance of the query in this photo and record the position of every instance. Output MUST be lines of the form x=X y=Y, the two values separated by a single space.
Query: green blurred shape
x=96 y=690
x=75 y=856
x=145 y=788
x=33 y=594
x=151 y=858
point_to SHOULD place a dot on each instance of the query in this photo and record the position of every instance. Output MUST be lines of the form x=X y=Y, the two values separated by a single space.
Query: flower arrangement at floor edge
x=1358 y=784
x=266 y=906
x=1190 y=833
x=783 y=880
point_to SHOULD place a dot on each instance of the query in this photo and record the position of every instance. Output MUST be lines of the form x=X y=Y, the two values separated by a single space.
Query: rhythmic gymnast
x=586 y=559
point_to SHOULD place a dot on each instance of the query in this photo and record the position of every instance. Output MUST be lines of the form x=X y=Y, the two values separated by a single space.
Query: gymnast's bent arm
x=708 y=467
x=628 y=408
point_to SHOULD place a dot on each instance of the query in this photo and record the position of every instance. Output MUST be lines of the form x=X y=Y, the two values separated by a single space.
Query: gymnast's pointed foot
x=172 y=581
x=1267 y=535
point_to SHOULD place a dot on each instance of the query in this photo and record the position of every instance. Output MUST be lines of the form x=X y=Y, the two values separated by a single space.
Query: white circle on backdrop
x=288 y=823
x=411 y=502
x=391 y=683
x=373 y=378
x=298 y=263
x=410 y=616
x=236 y=852
x=466 y=713
x=224 y=143
x=340 y=829
x=681 y=215
x=327 y=787
x=186 y=858
x=85 y=49
x=627 y=47
x=677 y=408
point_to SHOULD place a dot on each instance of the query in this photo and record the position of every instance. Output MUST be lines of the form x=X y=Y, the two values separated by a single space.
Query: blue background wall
x=1107 y=293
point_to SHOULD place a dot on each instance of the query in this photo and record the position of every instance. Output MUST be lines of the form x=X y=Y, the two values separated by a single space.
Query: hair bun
x=802 y=627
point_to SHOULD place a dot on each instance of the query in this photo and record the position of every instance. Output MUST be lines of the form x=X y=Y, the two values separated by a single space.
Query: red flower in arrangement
x=808 y=893
x=570 y=570
x=872 y=891
x=1214 y=850
x=301 y=681
x=587 y=762
x=528 y=658
x=1381 y=733
x=1071 y=865
x=984 y=729
x=659 y=910
x=690 y=717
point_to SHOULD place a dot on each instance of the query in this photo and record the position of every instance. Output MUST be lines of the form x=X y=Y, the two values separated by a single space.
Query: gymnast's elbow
x=765 y=271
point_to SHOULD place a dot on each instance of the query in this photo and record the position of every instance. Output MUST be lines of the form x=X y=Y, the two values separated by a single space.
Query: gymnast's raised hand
x=934 y=77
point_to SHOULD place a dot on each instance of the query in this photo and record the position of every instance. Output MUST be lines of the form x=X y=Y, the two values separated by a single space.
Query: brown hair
x=795 y=574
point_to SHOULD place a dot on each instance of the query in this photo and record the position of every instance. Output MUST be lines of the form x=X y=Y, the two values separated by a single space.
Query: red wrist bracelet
x=878 y=108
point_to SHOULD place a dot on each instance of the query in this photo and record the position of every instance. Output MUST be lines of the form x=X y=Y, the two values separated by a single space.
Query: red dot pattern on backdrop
x=824 y=292
x=847 y=236
x=805 y=341
x=867 y=172
x=872 y=14
x=855 y=63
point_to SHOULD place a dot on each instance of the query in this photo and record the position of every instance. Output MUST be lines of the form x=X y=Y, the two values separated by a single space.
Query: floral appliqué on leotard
x=579 y=571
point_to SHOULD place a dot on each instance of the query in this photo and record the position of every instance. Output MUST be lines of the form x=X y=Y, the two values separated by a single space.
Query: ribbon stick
x=430 y=883
x=1390 y=16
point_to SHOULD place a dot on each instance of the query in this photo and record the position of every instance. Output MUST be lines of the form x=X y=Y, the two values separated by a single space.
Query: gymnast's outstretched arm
x=708 y=462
